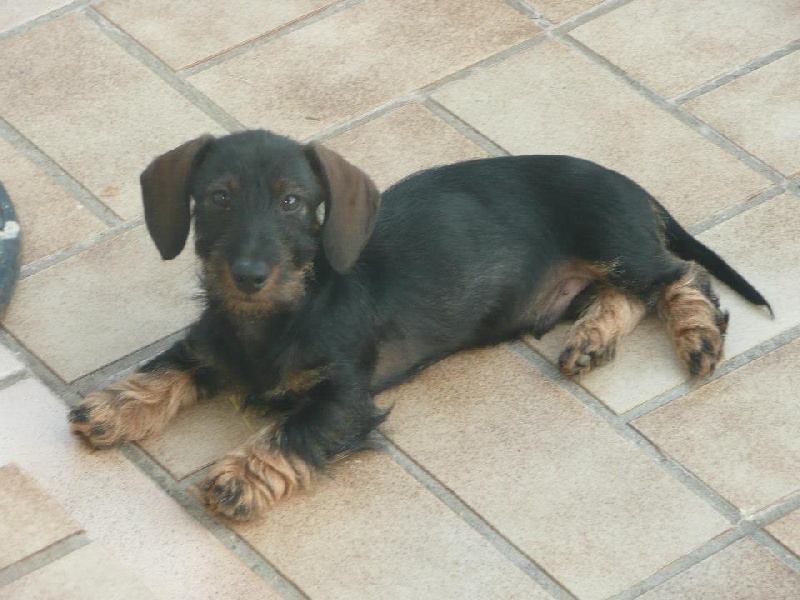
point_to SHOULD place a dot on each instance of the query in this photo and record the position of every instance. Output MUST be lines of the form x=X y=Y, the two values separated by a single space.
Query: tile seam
x=232 y=52
x=684 y=563
x=645 y=446
x=737 y=72
x=474 y=520
x=86 y=244
x=778 y=549
x=730 y=365
x=23 y=28
x=155 y=65
x=57 y=174
x=465 y=129
x=42 y=558
x=677 y=112
x=242 y=550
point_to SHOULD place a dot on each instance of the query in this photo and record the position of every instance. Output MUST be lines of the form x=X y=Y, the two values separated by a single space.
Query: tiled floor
x=497 y=478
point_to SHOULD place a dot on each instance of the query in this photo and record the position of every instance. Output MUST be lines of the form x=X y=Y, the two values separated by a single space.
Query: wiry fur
x=307 y=317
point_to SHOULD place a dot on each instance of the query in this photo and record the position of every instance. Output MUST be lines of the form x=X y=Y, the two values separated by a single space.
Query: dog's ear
x=165 y=190
x=351 y=206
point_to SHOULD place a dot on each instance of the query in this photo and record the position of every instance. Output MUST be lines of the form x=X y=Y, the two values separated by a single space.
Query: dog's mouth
x=283 y=289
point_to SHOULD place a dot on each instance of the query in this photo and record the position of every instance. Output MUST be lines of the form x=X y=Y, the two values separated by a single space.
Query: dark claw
x=707 y=346
x=99 y=430
x=79 y=415
x=241 y=511
x=232 y=495
x=695 y=362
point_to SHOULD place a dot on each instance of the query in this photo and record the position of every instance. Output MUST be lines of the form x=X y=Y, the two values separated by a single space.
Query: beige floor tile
x=645 y=365
x=50 y=218
x=179 y=32
x=200 y=435
x=739 y=433
x=372 y=531
x=89 y=573
x=763 y=245
x=97 y=112
x=743 y=571
x=760 y=112
x=352 y=61
x=787 y=530
x=558 y=482
x=30 y=520
x=402 y=142
x=103 y=304
x=9 y=363
x=14 y=13
x=675 y=46
x=119 y=506
x=561 y=10
x=550 y=100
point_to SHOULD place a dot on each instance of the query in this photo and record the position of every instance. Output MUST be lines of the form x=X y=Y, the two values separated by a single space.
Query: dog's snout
x=250 y=275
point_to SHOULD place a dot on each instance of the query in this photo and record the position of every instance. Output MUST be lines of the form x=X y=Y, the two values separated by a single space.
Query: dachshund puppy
x=315 y=299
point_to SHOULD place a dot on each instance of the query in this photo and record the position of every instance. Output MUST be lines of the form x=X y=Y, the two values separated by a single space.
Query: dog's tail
x=687 y=247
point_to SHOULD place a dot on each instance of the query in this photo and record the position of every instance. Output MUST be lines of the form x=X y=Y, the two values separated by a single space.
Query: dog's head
x=264 y=207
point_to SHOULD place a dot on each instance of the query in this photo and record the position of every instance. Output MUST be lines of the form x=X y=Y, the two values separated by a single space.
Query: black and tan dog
x=316 y=300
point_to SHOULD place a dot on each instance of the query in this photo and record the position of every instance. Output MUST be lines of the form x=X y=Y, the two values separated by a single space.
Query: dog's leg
x=335 y=419
x=143 y=403
x=695 y=322
x=593 y=338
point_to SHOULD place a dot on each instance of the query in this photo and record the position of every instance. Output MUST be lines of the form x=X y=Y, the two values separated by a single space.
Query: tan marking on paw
x=246 y=482
x=695 y=323
x=133 y=408
x=593 y=338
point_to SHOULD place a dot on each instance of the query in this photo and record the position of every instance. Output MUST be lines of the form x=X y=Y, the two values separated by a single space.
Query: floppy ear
x=351 y=206
x=165 y=191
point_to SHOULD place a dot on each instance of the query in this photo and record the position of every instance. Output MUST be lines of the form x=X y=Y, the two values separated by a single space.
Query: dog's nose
x=250 y=275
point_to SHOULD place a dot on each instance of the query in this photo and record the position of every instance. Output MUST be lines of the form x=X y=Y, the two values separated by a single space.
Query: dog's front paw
x=132 y=409
x=244 y=484
x=97 y=419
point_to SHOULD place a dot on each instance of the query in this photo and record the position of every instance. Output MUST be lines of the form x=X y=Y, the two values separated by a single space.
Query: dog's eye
x=221 y=199
x=290 y=203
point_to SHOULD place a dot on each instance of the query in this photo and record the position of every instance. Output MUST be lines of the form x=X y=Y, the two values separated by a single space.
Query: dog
x=315 y=300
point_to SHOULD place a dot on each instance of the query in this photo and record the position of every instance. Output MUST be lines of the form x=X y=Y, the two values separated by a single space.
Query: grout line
x=372 y=114
x=781 y=552
x=507 y=548
x=684 y=563
x=737 y=209
x=529 y=11
x=38 y=368
x=239 y=547
x=740 y=360
x=776 y=512
x=733 y=74
x=42 y=558
x=13 y=378
x=57 y=174
x=87 y=243
x=616 y=422
x=464 y=128
x=159 y=68
x=598 y=10
x=51 y=16
x=679 y=112
x=261 y=40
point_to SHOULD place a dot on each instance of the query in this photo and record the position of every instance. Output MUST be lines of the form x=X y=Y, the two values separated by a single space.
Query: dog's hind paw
x=245 y=483
x=584 y=355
